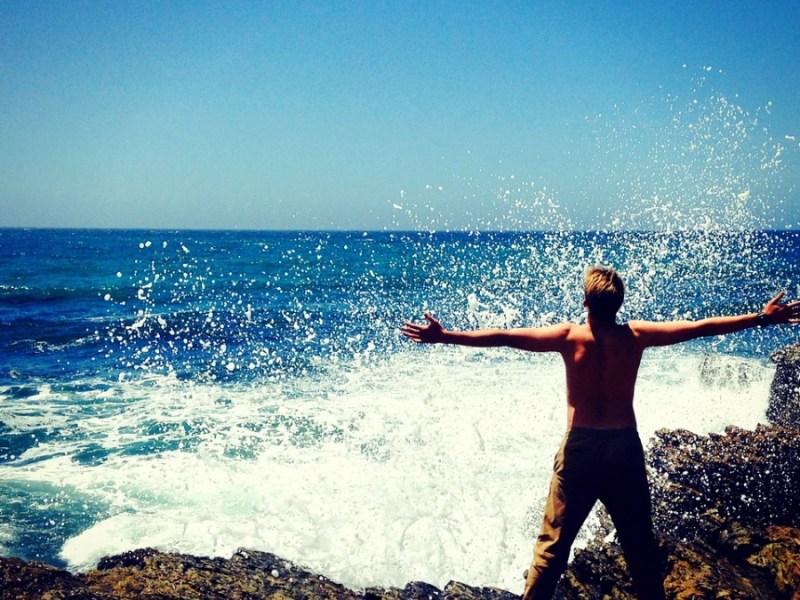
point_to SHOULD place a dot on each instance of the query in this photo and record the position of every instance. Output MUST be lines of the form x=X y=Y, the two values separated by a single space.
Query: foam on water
x=430 y=465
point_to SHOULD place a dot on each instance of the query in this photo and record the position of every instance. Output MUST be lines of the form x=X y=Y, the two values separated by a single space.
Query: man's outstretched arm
x=537 y=339
x=673 y=332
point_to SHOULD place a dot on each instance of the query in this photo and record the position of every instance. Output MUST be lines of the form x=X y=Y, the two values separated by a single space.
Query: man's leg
x=569 y=502
x=627 y=498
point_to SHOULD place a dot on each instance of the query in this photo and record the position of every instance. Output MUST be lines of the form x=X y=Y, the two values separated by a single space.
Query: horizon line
x=471 y=231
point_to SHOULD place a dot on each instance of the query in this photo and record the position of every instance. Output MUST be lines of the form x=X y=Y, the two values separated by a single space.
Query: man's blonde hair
x=604 y=292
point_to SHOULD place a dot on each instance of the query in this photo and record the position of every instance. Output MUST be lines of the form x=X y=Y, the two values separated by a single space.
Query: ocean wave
x=12 y=295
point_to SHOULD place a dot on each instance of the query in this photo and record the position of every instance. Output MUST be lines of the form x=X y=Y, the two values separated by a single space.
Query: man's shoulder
x=556 y=330
x=661 y=333
x=639 y=325
x=568 y=327
x=570 y=330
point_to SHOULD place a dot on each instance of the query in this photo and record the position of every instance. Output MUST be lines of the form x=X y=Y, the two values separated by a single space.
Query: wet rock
x=416 y=590
x=693 y=571
x=700 y=571
x=784 y=394
x=148 y=574
x=20 y=579
x=728 y=508
x=598 y=571
x=460 y=591
x=780 y=556
x=751 y=477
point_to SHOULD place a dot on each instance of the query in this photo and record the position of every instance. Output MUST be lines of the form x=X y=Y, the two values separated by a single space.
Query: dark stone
x=459 y=591
x=598 y=571
x=784 y=394
x=416 y=590
x=751 y=477
x=23 y=580
x=134 y=558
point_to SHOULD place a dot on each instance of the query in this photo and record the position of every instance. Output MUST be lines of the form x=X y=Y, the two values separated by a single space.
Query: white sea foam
x=430 y=465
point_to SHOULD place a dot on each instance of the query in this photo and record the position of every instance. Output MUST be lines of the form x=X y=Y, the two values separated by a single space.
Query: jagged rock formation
x=784 y=395
x=152 y=575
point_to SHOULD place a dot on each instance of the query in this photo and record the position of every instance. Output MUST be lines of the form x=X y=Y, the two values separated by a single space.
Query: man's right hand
x=432 y=333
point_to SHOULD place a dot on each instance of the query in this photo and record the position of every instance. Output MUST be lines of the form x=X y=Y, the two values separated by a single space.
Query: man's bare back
x=601 y=362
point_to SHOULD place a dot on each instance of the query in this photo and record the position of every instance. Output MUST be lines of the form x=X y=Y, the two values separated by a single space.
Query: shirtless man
x=601 y=457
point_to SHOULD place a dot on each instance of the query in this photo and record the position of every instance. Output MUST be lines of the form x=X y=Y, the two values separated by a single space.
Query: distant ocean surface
x=204 y=391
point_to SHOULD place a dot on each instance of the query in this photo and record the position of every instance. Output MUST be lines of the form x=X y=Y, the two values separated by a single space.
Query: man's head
x=604 y=292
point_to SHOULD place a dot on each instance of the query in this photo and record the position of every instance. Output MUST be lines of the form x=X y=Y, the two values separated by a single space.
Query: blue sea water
x=200 y=391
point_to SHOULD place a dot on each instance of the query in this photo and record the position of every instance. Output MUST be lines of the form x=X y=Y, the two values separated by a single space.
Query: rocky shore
x=727 y=507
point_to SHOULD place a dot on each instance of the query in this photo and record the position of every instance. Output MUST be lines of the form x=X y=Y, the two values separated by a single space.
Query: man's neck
x=600 y=323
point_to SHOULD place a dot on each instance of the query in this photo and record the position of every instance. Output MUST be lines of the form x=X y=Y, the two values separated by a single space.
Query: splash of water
x=699 y=174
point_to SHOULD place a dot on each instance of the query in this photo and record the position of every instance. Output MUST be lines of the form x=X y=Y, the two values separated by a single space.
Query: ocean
x=201 y=391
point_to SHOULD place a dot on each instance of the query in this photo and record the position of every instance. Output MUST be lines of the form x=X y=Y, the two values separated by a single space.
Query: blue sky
x=373 y=115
